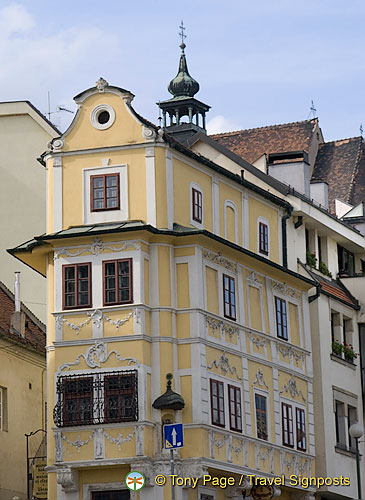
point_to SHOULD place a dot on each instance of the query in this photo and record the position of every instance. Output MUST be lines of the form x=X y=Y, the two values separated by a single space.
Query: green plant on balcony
x=349 y=352
x=337 y=348
x=311 y=259
x=324 y=269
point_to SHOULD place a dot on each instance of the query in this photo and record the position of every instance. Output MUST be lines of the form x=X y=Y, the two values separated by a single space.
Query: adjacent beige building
x=24 y=134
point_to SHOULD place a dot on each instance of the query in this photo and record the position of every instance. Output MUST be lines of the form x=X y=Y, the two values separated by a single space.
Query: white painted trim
x=170 y=189
x=97 y=111
x=215 y=205
x=57 y=194
x=197 y=187
x=264 y=221
x=232 y=205
x=261 y=392
x=87 y=489
x=151 y=187
x=107 y=215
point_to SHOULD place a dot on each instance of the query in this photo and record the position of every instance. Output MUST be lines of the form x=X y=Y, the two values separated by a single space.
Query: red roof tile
x=35 y=330
x=251 y=144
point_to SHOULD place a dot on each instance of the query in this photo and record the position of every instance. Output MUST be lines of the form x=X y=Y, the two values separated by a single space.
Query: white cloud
x=220 y=124
x=36 y=59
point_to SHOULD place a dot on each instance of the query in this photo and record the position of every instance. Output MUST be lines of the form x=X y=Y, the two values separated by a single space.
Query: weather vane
x=181 y=33
x=361 y=129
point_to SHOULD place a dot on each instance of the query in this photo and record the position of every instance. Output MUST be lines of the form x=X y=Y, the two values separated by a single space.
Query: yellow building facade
x=159 y=261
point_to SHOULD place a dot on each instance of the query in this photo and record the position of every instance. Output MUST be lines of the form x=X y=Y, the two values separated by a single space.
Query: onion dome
x=170 y=400
x=183 y=84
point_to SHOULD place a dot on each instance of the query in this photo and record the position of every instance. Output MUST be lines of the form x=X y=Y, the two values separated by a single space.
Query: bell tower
x=183 y=115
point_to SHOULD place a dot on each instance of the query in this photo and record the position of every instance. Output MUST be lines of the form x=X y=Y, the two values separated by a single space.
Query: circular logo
x=135 y=480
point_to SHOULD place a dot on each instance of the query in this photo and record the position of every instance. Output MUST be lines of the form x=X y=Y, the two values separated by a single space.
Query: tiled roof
x=35 y=330
x=335 y=289
x=251 y=144
x=338 y=164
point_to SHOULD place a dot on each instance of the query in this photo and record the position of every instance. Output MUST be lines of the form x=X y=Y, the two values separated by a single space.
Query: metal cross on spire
x=181 y=33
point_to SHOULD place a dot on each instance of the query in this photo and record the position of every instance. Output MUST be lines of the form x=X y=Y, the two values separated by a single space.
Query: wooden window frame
x=301 y=432
x=117 y=302
x=281 y=328
x=76 y=397
x=235 y=417
x=263 y=238
x=258 y=413
x=287 y=415
x=109 y=393
x=229 y=315
x=197 y=208
x=219 y=409
x=75 y=266
x=105 y=208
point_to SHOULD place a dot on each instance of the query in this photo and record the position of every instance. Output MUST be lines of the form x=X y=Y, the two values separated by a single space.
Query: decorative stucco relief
x=216 y=325
x=259 y=380
x=224 y=365
x=285 y=290
x=96 y=247
x=292 y=389
x=95 y=355
x=97 y=317
x=218 y=259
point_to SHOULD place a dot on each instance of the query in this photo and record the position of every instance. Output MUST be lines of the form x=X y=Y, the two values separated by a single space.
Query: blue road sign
x=173 y=435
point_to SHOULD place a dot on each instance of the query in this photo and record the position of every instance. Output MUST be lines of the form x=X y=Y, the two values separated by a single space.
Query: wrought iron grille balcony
x=96 y=398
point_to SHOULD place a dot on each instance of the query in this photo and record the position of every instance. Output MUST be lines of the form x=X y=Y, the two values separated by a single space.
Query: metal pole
x=358 y=468
x=27 y=437
x=172 y=470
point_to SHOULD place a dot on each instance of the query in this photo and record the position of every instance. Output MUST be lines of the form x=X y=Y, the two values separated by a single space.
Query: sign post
x=173 y=437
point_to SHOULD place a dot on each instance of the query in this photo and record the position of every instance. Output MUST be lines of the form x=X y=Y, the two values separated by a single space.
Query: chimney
x=18 y=317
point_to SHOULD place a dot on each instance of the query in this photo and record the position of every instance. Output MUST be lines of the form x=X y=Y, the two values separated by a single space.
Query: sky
x=258 y=63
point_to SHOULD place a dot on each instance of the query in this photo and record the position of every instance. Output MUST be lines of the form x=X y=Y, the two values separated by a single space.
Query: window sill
x=342 y=361
x=345 y=451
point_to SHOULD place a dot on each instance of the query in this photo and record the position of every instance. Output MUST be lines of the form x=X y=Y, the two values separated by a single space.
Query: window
x=346 y=261
x=281 y=318
x=235 y=414
x=229 y=297
x=96 y=399
x=197 y=205
x=104 y=192
x=340 y=424
x=263 y=238
x=261 y=417
x=77 y=286
x=117 y=281
x=301 y=432
x=351 y=419
x=217 y=402
x=287 y=425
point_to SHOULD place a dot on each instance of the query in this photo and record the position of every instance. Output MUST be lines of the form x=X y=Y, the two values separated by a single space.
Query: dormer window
x=104 y=192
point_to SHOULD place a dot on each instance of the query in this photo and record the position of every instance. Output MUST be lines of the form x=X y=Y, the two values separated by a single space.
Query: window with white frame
x=105 y=194
x=196 y=205
x=345 y=414
x=293 y=425
x=229 y=297
x=261 y=416
x=263 y=236
x=217 y=402
x=218 y=393
x=235 y=408
x=281 y=318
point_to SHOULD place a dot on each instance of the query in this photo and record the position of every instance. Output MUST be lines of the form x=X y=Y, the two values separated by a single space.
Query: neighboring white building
x=24 y=134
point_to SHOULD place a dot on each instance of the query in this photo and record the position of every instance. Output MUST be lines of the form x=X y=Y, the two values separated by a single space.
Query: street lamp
x=356 y=431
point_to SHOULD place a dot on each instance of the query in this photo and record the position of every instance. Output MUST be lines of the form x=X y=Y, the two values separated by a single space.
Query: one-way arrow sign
x=173 y=436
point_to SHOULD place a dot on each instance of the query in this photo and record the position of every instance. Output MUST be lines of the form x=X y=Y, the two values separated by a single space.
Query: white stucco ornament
x=101 y=84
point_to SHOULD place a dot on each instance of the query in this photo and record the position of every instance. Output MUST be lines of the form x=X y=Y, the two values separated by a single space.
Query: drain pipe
x=284 y=235
x=316 y=295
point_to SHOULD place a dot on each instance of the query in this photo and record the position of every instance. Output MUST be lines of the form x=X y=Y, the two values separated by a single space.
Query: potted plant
x=311 y=259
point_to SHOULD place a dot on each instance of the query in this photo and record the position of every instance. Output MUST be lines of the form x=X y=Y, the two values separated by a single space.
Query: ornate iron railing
x=96 y=398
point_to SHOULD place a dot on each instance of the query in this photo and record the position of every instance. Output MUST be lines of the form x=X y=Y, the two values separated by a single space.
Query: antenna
x=159 y=114
x=312 y=111
x=58 y=108
x=361 y=129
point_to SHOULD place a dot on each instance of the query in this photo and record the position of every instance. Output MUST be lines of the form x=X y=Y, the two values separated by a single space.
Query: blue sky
x=257 y=63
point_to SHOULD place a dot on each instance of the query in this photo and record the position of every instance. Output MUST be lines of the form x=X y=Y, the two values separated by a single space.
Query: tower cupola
x=183 y=114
